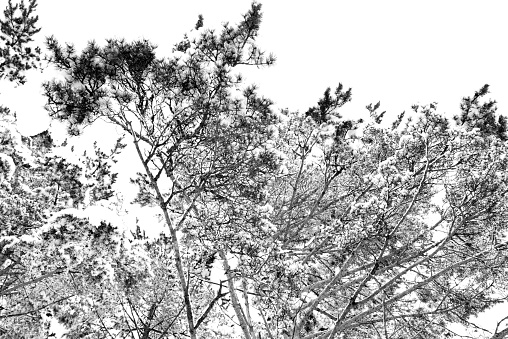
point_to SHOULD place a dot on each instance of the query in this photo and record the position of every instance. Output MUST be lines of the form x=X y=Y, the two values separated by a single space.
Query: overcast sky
x=397 y=52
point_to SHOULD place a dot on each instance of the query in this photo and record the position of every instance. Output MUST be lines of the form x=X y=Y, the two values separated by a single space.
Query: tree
x=47 y=245
x=324 y=227
x=187 y=126
x=394 y=233
x=482 y=115
x=16 y=32
x=20 y=210
x=43 y=243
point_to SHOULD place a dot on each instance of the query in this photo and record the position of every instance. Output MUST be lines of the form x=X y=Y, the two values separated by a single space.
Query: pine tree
x=17 y=30
x=475 y=114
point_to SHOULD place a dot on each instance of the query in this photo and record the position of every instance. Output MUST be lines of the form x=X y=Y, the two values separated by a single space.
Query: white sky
x=397 y=52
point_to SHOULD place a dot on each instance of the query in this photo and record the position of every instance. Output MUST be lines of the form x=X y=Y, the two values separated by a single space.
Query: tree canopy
x=273 y=224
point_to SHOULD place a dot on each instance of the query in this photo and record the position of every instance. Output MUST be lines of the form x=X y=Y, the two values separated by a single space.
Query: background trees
x=379 y=233
x=47 y=246
x=314 y=226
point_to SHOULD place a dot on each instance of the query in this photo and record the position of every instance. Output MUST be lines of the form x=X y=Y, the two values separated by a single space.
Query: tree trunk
x=174 y=242
x=234 y=298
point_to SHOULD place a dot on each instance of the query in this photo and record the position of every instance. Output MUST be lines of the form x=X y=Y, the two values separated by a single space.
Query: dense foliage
x=17 y=29
x=273 y=224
